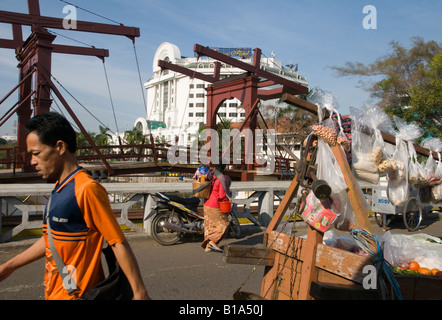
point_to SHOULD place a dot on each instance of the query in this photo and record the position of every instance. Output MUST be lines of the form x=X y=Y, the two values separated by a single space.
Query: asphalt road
x=182 y=271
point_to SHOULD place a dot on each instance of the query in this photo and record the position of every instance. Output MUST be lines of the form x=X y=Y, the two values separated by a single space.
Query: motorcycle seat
x=191 y=203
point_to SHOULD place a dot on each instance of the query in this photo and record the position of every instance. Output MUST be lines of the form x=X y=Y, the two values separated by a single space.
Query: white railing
x=264 y=194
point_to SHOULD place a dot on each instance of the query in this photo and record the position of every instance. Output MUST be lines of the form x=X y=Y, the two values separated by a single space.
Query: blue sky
x=315 y=34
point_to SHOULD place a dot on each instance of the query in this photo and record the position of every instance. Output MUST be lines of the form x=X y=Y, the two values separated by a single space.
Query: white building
x=176 y=103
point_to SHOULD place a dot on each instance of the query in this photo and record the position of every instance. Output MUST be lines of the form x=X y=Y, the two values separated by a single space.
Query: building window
x=191 y=86
x=191 y=95
x=190 y=105
x=222 y=114
x=200 y=86
x=199 y=114
x=191 y=114
x=200 y=105
x=233 y=105
x=232 y=114
x=200 y=95
x=242 y=114
x=165 y=95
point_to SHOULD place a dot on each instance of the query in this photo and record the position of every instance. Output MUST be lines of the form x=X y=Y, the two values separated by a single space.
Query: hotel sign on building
x=234 y=52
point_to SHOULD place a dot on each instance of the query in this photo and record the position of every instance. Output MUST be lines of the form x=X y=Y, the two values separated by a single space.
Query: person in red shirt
x=216 y=222
x=80 y=216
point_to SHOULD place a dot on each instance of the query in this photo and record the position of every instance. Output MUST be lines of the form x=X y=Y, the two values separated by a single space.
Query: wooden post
x=309 y=270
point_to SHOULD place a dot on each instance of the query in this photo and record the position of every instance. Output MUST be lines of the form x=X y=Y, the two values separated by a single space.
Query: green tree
x=102 y=138
x=133 y=136
x=406 y=80
x=427 y=98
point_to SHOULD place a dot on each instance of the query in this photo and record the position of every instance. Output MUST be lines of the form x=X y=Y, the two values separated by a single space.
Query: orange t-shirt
x=81 y=217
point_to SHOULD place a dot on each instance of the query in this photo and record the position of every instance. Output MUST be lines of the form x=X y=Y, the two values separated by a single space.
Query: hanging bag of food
x=367 y=142
x=436 y=190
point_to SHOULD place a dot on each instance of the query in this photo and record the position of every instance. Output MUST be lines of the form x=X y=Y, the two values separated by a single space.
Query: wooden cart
x=305 y=269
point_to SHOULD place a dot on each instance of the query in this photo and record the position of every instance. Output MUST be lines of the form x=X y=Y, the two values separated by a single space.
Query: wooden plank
x=343 y=263
x=291 y=275
x=270 y=280
x=253 y=255
x=309 y=270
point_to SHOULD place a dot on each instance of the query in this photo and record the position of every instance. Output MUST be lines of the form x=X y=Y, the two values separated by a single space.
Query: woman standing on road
x=216 y=222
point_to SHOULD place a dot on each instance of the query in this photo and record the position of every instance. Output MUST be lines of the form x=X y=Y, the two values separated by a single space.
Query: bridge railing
x=14 y=199
x=152 y=153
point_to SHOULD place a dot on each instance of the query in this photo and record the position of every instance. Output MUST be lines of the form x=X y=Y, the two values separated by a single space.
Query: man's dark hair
x=51 y=127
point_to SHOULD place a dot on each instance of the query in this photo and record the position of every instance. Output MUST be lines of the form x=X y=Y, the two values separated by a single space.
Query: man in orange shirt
x=80 y=216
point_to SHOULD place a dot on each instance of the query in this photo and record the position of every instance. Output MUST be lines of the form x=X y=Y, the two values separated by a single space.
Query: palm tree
x=102 y=138
x=134 y=136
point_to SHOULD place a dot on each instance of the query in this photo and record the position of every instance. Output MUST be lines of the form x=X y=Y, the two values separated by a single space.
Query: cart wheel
x=412 y=214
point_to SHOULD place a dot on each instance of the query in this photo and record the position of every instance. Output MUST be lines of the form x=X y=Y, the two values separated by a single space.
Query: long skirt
x=215 y=225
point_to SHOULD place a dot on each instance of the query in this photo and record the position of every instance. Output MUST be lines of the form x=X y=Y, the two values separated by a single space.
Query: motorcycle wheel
x=234 y=225
x=162 y=235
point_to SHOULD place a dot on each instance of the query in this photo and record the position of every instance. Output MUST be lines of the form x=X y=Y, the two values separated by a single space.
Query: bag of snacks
x=397 y=189
x=436 y=190
x=367 y=142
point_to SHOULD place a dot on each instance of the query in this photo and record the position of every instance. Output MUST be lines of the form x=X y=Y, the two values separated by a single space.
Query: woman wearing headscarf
x=216 y=222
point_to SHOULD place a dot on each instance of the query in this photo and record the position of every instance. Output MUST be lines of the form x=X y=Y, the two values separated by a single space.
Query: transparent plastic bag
x=323 y=99
x=430 y=166
x=436 y=190
x=328 y=168
x=397 y=188
x=415 y=170
x=327 y=104
x=401 y=249
x=368 y=145
x=407 y=131
x=410 y=132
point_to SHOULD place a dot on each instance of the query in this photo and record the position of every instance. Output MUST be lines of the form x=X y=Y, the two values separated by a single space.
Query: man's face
x=46 y=159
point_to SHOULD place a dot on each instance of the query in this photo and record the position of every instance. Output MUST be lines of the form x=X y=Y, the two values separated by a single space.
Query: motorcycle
x=175 y=216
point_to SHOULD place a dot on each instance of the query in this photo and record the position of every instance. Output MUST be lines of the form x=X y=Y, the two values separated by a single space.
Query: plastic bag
x=408 y=131
x=328 y=168
x=323 y=99
x=436 y=191
x=398 y=177
x=367 y=142
x=397 y=188
x=401 y=249
x=433 y=144
x=416 y=174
